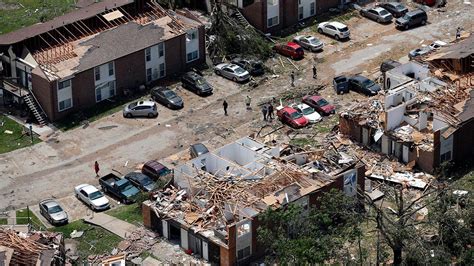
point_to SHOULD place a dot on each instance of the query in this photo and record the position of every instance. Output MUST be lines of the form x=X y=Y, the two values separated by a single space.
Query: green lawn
x=10 y=142
x=3 y=221
x=22 y=218
x=128 y=213
x=16 y=14
x=94 y=241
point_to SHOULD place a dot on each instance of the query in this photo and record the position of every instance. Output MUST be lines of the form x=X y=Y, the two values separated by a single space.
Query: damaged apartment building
x=95 y=53
x=422 y=119
x=212 y=207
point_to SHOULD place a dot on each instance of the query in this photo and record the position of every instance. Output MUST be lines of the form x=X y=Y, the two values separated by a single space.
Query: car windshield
x=169 y=94
x=299 y=50
x=95 y=195
x=125 y=186
x=308 y=110
x=132 y=105
x=313 y=40
x=383 y=12
x=344 y=29
x=406 y=17
x=400 y=7
x=295 y=115
x=322 y=102
x=55 y=209
x=368 y=83
x=144 y=180
x=239 y=70
x=257 y=65
x=200 y=81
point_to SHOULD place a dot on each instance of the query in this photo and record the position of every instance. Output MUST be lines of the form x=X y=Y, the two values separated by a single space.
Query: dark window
x=148 y=54
x=97 y=73
x=111 y=69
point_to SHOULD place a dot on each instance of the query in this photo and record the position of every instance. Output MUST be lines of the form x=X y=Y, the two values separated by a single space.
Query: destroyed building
x=95 y=53
x=212 y=207
x=34 y=248
x=420 y=120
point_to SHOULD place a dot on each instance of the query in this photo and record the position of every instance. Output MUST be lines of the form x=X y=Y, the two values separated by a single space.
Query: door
x=205 y=250
x=300 y=13
x=331 y=30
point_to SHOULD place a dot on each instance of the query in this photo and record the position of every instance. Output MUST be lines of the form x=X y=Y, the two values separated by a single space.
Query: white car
x=437 y=44
x=92 y=197
x=334 y=29
x=308 y=112
x=309 y=42
x=232 y=71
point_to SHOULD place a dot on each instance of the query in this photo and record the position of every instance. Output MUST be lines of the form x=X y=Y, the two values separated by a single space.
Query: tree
x=294 y=235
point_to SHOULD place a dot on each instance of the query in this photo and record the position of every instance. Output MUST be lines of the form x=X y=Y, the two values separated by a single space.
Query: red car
x=319 y=104
x=289 y=49
x=292 y=117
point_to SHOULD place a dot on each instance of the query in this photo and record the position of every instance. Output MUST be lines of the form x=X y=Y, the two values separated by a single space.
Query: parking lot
x=54 y=167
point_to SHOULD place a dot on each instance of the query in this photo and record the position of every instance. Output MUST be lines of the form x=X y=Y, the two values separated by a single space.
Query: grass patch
x=95 y=240
x=10 y=142
x=327 y=124
x=301 y=142
x=128 y=213
x=3 y=221
x=16 y=14
x=22 y=217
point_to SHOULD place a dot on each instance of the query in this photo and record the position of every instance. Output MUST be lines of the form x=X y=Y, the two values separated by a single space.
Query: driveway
x=54 y=167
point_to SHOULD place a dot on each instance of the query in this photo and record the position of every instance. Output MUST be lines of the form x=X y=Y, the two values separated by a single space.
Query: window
x=446 y=156
x=97 y=73
x=162 y=70
x=111 y=88
x=272 y=21
x=66 y=104
x=148 y=74
x=312 y=9
x=243 y=253
x=64 y=84
x=161 y=50
x=300 y=12
x=111 y=68
x=192 y=35
x=98 y=95
x=272 y=2
x=148 y=54
x=192 y=56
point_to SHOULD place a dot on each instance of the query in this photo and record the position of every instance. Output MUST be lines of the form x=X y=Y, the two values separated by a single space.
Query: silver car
x=232 y=72
x=53 y=212
x=92 y=197
x=141 y=108
x=378 y=14
x=309 y=42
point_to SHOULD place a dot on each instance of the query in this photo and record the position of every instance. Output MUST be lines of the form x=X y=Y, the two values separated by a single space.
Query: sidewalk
x=111 y=224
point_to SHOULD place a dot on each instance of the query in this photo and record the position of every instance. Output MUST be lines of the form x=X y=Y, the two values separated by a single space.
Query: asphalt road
x=54 y=167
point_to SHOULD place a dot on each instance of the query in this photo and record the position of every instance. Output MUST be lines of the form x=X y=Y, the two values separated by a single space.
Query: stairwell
x=35 y=108
x=242 y=19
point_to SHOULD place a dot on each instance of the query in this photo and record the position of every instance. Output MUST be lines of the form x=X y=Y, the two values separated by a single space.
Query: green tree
x=294 y=235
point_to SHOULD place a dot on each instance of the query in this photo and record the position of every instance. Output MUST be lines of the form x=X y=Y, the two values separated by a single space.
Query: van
x=412 y=19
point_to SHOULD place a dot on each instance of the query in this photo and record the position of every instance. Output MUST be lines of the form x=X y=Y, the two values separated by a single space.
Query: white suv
x=141 y=108
x=335 y=29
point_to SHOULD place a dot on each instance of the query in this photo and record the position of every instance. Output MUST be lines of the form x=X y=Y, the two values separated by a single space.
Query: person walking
x=315 y=74
x=96 y=168
x=458 y=33
x=225 y=105
x=270 y=112
x=248 y=100
x=292 y=78
x=264 y=112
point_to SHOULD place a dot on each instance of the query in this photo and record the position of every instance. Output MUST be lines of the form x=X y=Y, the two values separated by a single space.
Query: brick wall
x=228 y=255
x=43 y=91
x=175 y=55
x=146 y=213
x=325 y=5
x=463 y=142
x=130 y=71
x=202 y=50
x=256 y=14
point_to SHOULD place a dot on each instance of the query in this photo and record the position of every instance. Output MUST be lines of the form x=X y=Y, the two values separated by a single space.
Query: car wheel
x=218 y=72
x=406 y=27
x=151 y=115
x=105 y=190
x=168 y=105
x=336 y=37
x=423 y=22
x=91 y=206
x=378 y=20
x=320 y=30
x=234 y=79
x=128 y=115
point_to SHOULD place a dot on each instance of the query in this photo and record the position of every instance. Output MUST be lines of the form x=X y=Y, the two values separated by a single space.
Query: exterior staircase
x=242 y=19
x=35 y=108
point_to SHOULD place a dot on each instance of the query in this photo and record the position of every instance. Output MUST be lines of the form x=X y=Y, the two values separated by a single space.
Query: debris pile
x=138 y=241
x=35 y=248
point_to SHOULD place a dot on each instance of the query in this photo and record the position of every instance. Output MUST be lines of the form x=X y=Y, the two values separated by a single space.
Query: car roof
x=155 y=165
x=316 y=97
x=289 y=109
x=337 y=24
x=50 y=203
x=147 y=103
x=415 y=11
x=89 y=189
x=233 y=66
x=302 y=106
x=292 y=44
x=199 y=147
x=193 y=74
x=378 y=9
x=359 y=78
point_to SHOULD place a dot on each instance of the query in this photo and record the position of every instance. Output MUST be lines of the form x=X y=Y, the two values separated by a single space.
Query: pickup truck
x=120 y=188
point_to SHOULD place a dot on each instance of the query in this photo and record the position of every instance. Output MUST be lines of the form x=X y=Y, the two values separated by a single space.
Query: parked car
x=118 y=187
x=197 y=149
x=334 y=29
x=53 y=212
x=436 y=45
x=140 y=108
x=363 y=85
x=395 y=8
x=308 y=112
x=292 y=117
x=289 y=49
x=309 y=42
x=341 y=84
x=155 y=170
x=167 y=97
x=319 y=104
x=254 y=67
x=232 y=72
x=411 y=19
x=141 y=181
x=378 y=14
x=419 y=52
x=92 y=197
x=388 y=64
x=196 y=83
